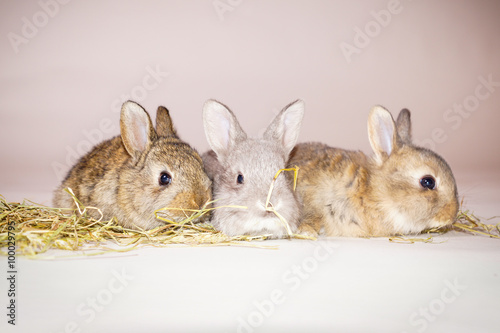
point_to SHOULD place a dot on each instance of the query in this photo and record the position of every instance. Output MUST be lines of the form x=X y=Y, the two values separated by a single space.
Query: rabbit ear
x=221 y=127
x=403 y=126
x=382 y=133
x=136 y=128
x=286 y=126
x=164 y=125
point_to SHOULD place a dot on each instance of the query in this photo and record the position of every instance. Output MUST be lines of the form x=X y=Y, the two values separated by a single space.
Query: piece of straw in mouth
x=270 y=208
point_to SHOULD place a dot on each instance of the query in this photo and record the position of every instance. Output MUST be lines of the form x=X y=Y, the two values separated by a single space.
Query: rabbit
x=242 y=170
x=132 y=175
x=402 y=189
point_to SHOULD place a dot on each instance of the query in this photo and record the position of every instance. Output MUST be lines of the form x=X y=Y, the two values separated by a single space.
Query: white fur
x=258 y=160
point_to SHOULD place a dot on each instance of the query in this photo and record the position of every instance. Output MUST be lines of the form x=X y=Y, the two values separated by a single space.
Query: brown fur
x=346 y=193
x=120 y=176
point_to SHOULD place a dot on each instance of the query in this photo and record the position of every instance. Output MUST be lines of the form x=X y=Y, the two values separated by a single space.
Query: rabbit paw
x=307 y=230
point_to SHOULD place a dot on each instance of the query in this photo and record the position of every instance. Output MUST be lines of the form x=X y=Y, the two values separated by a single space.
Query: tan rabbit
x=402 y=189
x=132 y=175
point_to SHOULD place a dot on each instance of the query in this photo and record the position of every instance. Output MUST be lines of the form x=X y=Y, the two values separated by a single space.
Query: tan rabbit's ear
x=164 y=125
x=136 y=128
x=382 y=133
x=221 y=127
x=403 y=126
x=285 y=127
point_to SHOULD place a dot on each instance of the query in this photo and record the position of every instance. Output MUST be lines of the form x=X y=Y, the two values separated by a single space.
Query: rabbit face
x=169 y=175
x=246 y=181
x=417 y=190
x=243 y=170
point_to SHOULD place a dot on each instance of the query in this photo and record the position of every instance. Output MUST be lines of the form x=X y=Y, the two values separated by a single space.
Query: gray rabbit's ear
x=221 y=128
x=164 y=124
x=285 y=127
x=403 y=126
x=382 y=133
x=136 y=129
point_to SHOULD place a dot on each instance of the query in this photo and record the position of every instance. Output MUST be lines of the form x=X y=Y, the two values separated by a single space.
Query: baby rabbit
x=402 y=189
x=132 y=175
x=242 y=170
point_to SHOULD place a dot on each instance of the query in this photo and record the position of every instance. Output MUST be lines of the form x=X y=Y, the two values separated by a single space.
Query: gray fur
x=258 y=160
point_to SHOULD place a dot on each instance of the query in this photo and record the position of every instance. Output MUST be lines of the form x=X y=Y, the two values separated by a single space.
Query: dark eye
x=165 y=179
x=428 y=182
x=240 y=179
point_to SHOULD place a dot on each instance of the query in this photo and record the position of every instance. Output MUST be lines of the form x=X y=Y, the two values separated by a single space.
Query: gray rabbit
x=242 y=170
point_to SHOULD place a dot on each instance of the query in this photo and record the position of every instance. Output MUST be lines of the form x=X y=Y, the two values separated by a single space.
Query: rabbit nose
x=205 y=197
x=269 y=213
x=448 y=213
x=193 y=204
x=187 y=200
x=266 y=211
x=200 y=199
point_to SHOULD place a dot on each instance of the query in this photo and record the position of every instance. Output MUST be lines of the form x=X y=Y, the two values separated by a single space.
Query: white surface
x=362 y=285
x=359 y=285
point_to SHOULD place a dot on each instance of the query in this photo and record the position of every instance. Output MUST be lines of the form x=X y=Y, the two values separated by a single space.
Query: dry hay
x=40 y=228
x=465 y=221
x=37 y=229
x=468 y=222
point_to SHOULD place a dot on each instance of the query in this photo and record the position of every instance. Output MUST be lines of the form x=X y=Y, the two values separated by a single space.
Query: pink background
x=65 y=69
x=60 y=94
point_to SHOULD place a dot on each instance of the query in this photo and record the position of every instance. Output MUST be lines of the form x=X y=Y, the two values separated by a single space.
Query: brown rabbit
x=402 y=189
x=132 y=175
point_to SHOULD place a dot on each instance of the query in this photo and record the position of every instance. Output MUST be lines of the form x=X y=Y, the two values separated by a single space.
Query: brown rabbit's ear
x=382 y=133
x=136 y=129
x=164 y=125
x=285 y=127
x=221 y=127
x=403 y=126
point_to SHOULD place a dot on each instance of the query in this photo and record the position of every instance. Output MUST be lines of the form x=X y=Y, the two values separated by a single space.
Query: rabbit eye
x=165 y=179
x=428 y=182
x=240 y=179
